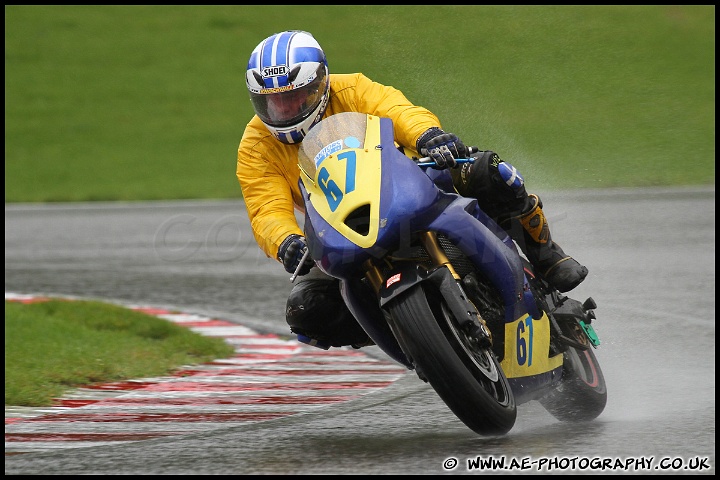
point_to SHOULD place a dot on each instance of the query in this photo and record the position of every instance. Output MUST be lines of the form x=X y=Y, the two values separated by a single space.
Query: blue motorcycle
x=438 y=285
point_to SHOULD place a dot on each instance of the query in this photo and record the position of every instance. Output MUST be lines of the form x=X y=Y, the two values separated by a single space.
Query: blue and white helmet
x=289 y=84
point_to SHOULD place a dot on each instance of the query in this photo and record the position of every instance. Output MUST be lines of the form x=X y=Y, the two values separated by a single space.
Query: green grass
x=148 y=102
x=53 y=346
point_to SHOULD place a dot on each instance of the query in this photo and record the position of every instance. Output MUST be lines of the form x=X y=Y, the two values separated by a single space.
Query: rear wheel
x=467 y=377
x=582 y=393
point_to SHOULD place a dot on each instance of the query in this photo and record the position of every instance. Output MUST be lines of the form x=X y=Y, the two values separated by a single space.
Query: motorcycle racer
x=291 y=89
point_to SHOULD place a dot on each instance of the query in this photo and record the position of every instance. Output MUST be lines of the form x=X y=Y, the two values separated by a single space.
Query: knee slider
x=305 y=303
x=316 y=309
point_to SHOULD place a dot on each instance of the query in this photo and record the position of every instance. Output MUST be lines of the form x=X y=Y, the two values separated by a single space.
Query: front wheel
x=582 y=393
x=467 y=378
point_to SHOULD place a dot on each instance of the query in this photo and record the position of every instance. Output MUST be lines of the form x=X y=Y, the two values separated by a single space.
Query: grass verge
x=54 y=346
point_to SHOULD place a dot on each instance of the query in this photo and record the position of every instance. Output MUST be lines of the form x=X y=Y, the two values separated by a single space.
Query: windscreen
x=337 y=132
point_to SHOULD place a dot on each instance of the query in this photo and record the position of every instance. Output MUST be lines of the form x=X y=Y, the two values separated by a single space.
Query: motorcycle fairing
x=534 y=387
x=341 y=192
x=352 y=219
x=487 y=251
x=527 y=362
x=366 y=310
x=348 y=227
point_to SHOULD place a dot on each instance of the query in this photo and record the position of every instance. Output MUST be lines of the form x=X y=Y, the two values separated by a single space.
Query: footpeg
x=589 y=304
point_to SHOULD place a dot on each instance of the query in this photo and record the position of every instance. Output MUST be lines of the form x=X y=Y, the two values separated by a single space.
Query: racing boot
x=559 y=269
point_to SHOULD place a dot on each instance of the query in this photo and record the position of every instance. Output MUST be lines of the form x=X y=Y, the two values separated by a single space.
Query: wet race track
x=280 y=407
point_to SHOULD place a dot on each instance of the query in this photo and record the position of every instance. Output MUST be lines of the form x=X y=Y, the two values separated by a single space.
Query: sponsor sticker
x=394 y=279
x=327 y=150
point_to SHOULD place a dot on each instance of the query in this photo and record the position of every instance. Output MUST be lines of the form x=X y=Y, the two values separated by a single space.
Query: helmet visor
x=284 y=109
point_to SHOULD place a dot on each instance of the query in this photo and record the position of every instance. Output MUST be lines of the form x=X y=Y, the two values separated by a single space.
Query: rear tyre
x=581 y=394
x=467 y=378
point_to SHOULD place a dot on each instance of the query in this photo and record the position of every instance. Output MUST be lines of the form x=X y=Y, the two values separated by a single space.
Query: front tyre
x=467 y=378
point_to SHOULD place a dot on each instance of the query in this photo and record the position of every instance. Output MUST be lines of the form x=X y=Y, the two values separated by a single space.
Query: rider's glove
x=291 y=252
x=443 y=148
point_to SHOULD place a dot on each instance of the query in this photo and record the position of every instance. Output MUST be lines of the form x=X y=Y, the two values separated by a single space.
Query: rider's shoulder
x=346 y=80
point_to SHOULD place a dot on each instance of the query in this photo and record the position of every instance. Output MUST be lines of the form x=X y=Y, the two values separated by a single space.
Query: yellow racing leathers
x=267 y=169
